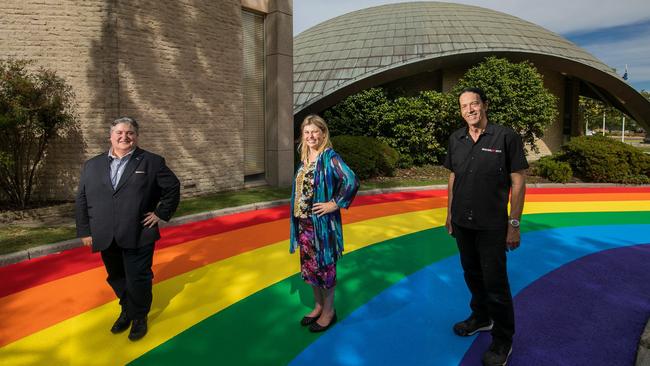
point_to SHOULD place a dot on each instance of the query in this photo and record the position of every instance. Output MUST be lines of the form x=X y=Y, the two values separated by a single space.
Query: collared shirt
x=482 y=175
x=118 y=165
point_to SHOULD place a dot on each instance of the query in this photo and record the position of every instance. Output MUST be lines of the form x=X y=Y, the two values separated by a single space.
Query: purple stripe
x=591 y=311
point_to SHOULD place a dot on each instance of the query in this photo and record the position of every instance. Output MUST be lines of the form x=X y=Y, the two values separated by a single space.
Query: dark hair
x=127 y=120
x=479 y=91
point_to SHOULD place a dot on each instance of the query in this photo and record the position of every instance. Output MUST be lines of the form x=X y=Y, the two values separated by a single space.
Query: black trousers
x=130 y=276
x=483 y=257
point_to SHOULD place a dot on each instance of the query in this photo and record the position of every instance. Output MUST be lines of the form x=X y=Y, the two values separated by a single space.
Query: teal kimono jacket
x=333 y=180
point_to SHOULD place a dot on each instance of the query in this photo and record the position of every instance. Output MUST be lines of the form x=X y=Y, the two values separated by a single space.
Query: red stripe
x=41 y=270
x=51 y=267
x=48 y=268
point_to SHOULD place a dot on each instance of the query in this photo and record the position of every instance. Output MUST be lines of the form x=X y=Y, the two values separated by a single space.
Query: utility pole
x=603 y=123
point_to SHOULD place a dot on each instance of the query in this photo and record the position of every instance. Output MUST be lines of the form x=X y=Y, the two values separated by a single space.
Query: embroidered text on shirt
x=491 y=150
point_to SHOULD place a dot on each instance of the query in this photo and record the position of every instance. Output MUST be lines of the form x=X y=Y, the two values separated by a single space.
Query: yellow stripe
x=586 y=206
x=189 y=298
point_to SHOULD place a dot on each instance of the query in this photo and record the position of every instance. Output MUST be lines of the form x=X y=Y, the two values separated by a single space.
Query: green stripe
x=263 y=329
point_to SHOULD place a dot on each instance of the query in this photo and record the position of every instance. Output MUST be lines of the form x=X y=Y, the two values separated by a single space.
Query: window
x=253 y=88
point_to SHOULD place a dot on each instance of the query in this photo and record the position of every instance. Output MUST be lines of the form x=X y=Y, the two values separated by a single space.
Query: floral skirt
x=323 y=277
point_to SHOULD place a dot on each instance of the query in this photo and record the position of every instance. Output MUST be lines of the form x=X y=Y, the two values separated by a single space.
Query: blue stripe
x=410 y=322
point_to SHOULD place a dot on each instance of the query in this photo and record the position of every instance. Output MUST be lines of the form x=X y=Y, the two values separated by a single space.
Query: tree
x=417 y=127
x=591 y=111
x=35 y=106
x=358 y=114
x=516 y=94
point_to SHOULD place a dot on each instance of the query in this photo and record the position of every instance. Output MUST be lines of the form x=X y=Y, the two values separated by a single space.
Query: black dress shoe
x=121 y=324
x=306 y=320
x=315 y=327
x=138 y=329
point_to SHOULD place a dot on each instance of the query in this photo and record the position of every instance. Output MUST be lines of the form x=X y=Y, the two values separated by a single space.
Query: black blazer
x=108 y=214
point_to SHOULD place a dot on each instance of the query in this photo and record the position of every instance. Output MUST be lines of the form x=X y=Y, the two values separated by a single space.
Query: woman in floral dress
x=323 y=184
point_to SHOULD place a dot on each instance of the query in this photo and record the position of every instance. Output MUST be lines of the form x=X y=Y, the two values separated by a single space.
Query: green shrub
x=36 y=106
x=602 y=159
x=553 y=170
x=518 y=98
x=418 y=127
x=366 y=156
x=358 y=114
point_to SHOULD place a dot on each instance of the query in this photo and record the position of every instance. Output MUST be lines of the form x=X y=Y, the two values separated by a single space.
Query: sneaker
x=472 y=325
x=498 y=353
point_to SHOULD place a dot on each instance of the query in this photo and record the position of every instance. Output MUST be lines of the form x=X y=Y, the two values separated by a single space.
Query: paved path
x=227 y=292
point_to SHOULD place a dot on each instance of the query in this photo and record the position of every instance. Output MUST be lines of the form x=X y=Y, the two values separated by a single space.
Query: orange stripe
x=50 y=303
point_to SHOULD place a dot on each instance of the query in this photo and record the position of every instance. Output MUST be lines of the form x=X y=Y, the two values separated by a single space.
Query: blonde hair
x=319 y=122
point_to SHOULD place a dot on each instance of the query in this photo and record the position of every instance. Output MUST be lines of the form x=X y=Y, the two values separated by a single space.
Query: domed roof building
x=430 y=45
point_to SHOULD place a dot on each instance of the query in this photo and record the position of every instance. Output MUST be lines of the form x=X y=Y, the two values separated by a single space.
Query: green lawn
x=230 y=199
x=392 y=183
x=643 y=147
x=15 y=238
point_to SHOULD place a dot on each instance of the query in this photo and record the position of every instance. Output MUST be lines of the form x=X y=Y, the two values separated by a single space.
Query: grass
x=643 y=147
x=415 y=176
x=388 y=183
x=230 y=199
x=15 y=238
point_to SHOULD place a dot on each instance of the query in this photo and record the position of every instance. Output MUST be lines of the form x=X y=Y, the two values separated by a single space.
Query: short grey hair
x=127 y=120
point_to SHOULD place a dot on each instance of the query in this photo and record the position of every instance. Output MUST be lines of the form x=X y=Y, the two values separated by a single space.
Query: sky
x=617 y=32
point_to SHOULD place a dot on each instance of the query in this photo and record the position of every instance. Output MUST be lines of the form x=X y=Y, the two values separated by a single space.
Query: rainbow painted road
x=227 y=292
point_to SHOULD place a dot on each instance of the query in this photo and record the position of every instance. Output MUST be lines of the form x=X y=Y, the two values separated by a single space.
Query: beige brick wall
x=174 y=66
x=65 y=36
x=180 y=74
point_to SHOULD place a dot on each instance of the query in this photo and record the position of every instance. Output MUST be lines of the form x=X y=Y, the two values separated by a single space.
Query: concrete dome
x=354 y=51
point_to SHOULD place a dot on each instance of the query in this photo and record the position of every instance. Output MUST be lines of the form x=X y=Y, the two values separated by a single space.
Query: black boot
x=121 y=324
x=138 y=329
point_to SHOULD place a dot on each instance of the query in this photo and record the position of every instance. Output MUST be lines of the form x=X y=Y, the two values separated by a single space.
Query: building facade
x=208 y=81
x=430 y=45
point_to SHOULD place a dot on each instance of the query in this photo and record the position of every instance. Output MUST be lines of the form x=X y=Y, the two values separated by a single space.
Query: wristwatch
x=513 y=222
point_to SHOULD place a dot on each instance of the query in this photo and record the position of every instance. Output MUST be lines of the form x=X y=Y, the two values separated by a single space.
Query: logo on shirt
x=491 y=150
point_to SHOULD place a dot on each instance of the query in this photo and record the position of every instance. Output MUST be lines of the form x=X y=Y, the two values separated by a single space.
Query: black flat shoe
x=307 y=320
x=138 y=329
x=315 y=327
x=121 y=324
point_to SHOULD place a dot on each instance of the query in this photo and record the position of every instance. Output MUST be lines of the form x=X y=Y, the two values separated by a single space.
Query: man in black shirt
x=487 y=162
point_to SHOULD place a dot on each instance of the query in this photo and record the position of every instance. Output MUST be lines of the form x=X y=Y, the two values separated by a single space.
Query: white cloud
x=632 y=51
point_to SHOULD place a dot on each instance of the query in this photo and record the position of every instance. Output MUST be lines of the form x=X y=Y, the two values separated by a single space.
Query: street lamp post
x=623 y=130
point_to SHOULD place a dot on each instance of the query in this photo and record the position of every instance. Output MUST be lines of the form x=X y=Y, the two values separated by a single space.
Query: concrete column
x=279 y=93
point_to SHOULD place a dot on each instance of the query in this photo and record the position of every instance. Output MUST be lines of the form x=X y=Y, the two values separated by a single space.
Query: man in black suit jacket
x=122 y=196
